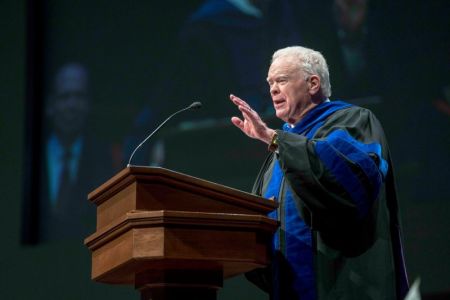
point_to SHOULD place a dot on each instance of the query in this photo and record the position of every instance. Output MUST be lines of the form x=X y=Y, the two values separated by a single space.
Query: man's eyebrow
x=276 y=77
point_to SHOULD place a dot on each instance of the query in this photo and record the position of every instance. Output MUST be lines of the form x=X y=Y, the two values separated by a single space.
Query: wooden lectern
x=174 y=236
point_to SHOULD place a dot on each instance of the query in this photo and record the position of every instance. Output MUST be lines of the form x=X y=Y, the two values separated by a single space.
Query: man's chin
x=280 y=115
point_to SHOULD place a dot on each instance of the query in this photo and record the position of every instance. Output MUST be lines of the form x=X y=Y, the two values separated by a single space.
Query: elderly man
x=331 y=173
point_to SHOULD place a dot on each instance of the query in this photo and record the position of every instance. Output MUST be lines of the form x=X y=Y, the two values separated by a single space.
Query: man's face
x=289 y=90
x=70 y=104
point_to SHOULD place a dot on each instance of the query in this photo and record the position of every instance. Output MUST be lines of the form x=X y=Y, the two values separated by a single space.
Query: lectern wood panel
x=158 y=188
x=152 y=223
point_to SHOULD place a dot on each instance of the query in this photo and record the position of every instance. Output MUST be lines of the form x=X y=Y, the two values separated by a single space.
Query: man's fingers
x=238 y=101
x=250 y=119
x=252 y=115
x=246 y=114
x=237 y=122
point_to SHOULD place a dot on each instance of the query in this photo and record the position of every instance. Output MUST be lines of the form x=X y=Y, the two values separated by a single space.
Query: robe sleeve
x=338 y=173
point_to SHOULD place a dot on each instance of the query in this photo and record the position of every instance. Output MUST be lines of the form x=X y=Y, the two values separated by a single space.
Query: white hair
x=310 y=62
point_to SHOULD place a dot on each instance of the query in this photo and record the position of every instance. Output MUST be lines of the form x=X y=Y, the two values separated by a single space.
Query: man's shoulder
x=349 y=117
x=353 y=110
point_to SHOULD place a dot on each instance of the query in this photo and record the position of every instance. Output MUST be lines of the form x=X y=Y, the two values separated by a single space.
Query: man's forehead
x=283 y=65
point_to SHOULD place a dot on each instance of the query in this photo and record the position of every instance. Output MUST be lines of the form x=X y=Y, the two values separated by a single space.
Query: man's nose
x=274 y=90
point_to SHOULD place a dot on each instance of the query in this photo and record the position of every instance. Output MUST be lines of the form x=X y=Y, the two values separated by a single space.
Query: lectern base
x=172 y=293
x=179 y=284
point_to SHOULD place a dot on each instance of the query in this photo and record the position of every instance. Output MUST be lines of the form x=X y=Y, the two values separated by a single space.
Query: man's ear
x=314 y=84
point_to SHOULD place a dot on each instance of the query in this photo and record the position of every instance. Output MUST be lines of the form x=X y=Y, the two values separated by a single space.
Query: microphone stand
x=195 y=105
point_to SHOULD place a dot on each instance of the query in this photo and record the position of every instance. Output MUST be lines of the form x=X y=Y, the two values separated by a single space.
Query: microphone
x=194 y=105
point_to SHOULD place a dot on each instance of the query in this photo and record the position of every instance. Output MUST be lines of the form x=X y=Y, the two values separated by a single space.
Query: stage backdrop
x=103 y=74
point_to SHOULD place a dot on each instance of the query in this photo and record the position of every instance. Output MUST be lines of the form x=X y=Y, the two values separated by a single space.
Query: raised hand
x=251 y=123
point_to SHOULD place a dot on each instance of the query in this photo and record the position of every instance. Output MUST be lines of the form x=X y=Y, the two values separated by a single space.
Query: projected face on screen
x=69 y=104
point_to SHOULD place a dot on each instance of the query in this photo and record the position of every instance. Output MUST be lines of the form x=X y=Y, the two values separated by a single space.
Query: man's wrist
x=268 y=136
x=273 y=145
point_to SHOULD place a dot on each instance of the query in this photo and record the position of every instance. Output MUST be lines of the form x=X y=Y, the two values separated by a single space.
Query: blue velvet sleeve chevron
x=359 y=168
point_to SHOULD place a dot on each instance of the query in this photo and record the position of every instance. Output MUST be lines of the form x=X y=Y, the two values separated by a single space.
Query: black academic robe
x=336 y=167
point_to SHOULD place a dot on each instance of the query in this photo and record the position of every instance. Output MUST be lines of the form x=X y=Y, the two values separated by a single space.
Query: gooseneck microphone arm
x=195 y=105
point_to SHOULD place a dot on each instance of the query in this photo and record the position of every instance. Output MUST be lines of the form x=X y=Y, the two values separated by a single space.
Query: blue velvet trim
x=298 y=251
x=318 y=115
x=340 y=145
x=349 y=181
x=273 y=190
x=298 y=240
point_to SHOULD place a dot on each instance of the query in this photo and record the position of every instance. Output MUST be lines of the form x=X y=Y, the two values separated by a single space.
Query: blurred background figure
x=227 y=37
x=350 y=33
x=351 y=21
x=224 y=46
x=74 y=162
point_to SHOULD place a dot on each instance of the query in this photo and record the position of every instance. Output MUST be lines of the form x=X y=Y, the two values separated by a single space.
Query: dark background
x=129 y=48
